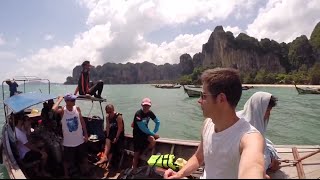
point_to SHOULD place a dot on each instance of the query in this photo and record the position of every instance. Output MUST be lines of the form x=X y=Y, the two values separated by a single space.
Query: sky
x=47 y=38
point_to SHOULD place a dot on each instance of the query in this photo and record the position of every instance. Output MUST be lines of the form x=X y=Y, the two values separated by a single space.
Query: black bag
x=143 y=172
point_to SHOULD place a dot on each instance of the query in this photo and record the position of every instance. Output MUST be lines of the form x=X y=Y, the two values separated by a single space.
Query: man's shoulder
x=138 y=112
x=19 y=132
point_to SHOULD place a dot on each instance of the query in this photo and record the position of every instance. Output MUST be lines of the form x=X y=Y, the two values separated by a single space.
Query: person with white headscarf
x=257 y=112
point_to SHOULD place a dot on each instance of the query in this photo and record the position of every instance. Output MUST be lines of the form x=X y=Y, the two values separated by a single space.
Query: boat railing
x=24 y=80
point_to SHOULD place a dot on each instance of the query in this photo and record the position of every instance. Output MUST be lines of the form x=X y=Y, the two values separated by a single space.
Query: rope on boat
x=90 y=111
x=299 y=166
x=298 y=161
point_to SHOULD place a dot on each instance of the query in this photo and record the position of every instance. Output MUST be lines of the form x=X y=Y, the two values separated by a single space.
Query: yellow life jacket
x=164 y=161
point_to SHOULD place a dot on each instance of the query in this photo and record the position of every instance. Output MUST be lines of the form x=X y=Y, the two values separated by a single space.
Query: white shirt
x=71 y=128
x=22 y=140
x=222 y=150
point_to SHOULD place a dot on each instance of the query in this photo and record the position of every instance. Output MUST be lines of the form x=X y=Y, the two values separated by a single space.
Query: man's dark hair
x=224 y=80
x=18 y=117
x=85 y=63
x=272 y=102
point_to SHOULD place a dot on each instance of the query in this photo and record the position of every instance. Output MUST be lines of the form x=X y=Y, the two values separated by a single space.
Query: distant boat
x=194 y=86
x=168 y=86
x=191 y=92
x=247 y=87
x=307 y=90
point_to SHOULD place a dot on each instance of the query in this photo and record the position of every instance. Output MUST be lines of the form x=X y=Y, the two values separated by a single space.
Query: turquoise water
x=295 y=120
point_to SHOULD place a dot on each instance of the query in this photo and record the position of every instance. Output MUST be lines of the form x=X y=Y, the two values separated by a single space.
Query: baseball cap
x=146 y=101
x=70 y=96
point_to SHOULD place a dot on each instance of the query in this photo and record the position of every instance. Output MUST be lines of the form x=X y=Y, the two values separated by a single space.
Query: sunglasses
x=203 y=96
x=72 y=100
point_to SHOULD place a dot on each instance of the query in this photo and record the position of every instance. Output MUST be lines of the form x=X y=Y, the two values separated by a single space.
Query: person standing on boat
x=257 y=112
x=28 y=152
x=13 y=85
x=74 y=133
x=115 y=134
x=84 y=86
x=143 y=137
x=230 y=147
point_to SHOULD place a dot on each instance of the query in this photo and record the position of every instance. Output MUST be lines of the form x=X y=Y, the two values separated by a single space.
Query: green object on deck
x=164 y=161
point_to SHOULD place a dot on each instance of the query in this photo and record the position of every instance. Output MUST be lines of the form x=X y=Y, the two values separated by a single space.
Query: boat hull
x=306 y=168
x=192 y=92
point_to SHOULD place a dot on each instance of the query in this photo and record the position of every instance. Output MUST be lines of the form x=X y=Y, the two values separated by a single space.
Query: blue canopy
x=22 y=101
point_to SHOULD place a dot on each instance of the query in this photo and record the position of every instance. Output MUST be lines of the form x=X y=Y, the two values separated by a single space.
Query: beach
x=281 y=85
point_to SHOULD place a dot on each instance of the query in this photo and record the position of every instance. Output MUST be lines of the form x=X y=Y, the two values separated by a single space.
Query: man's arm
x=107 y=126
x=120 y=126
x=32 y=147
x=144 y=128
x=83 y=124
x=156 y=128
x=193 y=163
x=251 y=164
x=76 y=91
x=56 y=105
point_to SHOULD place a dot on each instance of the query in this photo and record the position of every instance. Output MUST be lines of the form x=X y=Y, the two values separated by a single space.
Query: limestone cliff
x=222 y=50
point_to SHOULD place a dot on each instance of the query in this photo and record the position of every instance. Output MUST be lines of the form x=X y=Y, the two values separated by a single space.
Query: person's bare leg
x=85 y=166
x=135 y=161
x=152 y=142
x=66 y=169
x=104 y=158
x=43 y=164
x=109 y=160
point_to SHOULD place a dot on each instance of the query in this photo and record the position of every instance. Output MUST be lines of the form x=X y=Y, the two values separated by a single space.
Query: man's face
x=70 y=102
x=87 y=67
x=208 y=102
x=146 y=108
x=267 y=114
x=109 y=110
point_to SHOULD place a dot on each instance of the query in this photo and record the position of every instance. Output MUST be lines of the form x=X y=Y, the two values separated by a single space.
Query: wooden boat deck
x=310 y=166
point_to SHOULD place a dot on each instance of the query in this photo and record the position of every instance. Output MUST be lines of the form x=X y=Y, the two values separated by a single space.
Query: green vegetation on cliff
x=264 y=61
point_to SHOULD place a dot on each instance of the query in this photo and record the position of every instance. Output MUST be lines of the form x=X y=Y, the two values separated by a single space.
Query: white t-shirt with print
x=22 y=140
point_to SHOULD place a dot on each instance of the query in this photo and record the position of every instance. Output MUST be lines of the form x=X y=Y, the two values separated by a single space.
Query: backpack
x=143 y=172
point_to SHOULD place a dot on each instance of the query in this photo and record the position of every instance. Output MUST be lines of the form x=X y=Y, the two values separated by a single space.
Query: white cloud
x=4 y=55
x=8 y=61
x=284 y=20
x=117 y=31
x=164 y=11
x=60 y=60
x=48 y=37
x=2 y=41
x=171 y=52
x=235 y=30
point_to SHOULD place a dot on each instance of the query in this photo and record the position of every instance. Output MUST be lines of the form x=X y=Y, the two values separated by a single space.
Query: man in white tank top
x=74 y=133
x=230 y=147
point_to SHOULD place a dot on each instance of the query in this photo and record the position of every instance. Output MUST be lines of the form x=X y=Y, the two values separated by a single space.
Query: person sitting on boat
x=84 y=87
x=47 y=114
x=74 y=133
x=257 y=112
x=230 y=147
x=28 y=152
x=143 y=137
x=13 y=85
x=115 y=134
